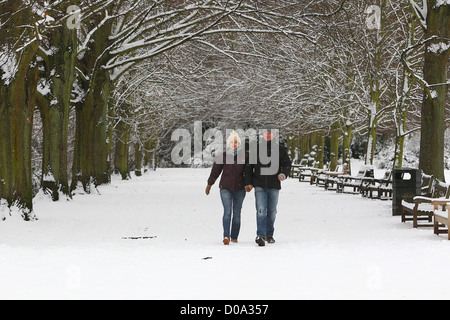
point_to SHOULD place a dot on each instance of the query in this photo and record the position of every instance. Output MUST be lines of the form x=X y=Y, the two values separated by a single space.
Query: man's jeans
x=232 y=204
x=266 y=206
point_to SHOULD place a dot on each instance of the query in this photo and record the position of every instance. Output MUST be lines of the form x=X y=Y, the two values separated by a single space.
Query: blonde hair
x=233 y=137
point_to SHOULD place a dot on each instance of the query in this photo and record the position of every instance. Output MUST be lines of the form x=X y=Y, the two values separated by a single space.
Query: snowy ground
x=328 y=246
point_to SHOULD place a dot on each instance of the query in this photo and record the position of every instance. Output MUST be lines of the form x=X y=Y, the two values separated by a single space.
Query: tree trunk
x=91 y=153
x=435 y=96
x=17 y=102
x=5 y=147
x=373 y=111
x=320 y=149
x=375 y=94
x=139 y=156
x=91 y=164
x=55 y=113
x=401 y=115
x=304 y=148
x=401 y=110
x=21 y=105
x=313 y=138
x=150 y=155
x=346 y=147
x=372 y=135
x=76 y=165
x=334 y=151
x=102 y=173
x=122 y=150
x=293 y=146
x=399 y=151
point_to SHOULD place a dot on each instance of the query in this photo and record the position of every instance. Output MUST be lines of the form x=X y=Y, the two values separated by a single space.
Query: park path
x=328 y=246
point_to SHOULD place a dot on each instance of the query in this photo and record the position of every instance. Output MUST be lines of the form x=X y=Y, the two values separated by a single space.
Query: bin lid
x=407 y=169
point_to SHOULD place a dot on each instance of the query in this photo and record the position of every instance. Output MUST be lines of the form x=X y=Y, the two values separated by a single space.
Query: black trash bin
x=406 y=184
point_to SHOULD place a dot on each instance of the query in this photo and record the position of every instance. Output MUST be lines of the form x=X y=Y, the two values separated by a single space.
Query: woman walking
x=232 y=187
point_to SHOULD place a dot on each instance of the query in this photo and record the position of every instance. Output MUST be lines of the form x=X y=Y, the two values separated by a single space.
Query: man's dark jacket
x=253 y=175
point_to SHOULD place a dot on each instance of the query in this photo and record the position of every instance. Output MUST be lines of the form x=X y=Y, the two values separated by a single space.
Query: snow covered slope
x=328 y=246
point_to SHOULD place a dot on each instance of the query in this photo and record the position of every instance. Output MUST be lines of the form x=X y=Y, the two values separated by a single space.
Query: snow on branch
x=441 y=3
x=8 y=65
x=433 y=48
x=149 y=35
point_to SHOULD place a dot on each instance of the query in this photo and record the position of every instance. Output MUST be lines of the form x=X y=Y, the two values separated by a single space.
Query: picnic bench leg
x=448 y=227
x=415 y=223
x=416 y=216
x=436 y=226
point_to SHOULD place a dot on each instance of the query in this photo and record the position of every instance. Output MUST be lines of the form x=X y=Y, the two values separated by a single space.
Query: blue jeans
x=266 y=210
x=232 y=204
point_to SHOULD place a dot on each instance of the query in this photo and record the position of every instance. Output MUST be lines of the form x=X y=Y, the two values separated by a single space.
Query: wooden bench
x=421 y=209
x=441 y=216
x=314 y=173
x=305 y=172
x=382 y=186
x=331 y=178
x=427 y=185
x=319 y=177
x=295 y=169
x=354 y=182
x=425 y=189
x=385 y=189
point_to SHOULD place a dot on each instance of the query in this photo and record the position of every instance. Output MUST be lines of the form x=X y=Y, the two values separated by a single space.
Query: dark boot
x=260 y=241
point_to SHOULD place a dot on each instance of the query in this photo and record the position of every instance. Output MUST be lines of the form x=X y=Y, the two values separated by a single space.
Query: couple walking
x=239 y=178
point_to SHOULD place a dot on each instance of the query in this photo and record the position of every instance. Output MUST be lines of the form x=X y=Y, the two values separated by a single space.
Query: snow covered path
x=328 y=246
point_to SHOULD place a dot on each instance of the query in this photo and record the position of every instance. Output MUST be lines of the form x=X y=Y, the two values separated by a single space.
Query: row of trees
x=396 y=77
x=91 y=59
x=371 y=68
x=90 y=80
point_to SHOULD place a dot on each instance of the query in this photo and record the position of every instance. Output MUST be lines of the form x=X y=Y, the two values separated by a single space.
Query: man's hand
x=249 y=188
x=208 y=190
x=281 y=177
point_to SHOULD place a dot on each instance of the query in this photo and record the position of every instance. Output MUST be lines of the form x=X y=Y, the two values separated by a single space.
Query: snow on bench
x=441 y=217
x=382 y=186
x=355 y=182
x=422 y=208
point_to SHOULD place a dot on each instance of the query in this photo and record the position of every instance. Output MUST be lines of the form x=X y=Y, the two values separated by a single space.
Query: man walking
x=271 y=168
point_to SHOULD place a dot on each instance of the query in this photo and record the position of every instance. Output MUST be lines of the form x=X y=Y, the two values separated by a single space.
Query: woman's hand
x=208 y=190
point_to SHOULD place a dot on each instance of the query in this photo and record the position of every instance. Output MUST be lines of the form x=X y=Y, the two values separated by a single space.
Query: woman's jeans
x=232 y=204
x=266 y=206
